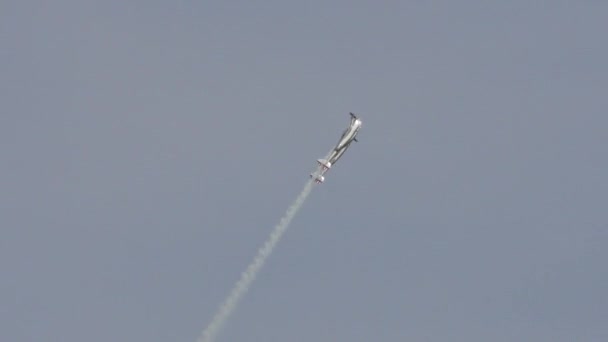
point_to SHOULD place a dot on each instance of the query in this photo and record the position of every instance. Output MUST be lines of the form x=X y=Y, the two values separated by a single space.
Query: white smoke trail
x=250 y=273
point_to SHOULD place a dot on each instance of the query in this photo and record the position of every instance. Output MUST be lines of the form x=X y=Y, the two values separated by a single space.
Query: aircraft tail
x=318 y=178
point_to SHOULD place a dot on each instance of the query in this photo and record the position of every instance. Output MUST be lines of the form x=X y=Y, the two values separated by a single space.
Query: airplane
x=349 y=135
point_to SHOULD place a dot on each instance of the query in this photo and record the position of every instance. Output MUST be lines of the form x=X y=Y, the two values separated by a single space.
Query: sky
x=148 y=148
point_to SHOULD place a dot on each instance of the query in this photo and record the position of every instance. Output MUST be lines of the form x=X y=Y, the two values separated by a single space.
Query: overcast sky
x=149 y=147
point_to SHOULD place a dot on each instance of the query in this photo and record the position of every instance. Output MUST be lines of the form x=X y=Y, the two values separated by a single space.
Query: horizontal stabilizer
x=324 y=163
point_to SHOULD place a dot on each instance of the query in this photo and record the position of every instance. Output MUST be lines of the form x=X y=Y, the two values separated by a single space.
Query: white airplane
x=349 y=135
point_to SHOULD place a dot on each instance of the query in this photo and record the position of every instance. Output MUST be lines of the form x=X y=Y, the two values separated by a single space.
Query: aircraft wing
x=335 y=156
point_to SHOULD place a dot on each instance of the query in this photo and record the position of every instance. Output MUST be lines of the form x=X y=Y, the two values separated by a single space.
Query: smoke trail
x=250 y=273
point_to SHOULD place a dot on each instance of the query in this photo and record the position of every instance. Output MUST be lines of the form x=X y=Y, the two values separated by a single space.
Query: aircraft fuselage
x=348 y=136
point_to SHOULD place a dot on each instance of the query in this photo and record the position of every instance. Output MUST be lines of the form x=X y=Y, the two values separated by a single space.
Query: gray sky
x=149 y=147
